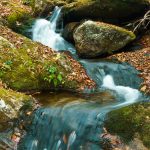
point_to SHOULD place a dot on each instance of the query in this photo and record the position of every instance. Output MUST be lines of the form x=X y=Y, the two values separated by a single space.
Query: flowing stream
x=75 y=122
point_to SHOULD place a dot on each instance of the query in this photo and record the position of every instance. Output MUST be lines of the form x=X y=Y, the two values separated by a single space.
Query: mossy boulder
x=10 y=104
x=97 y=38
x=26 y=65
x=110 y=10
x=131 y=122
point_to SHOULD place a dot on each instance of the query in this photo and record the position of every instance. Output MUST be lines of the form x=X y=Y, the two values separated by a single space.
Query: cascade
x=44 y=31
x=77 y=124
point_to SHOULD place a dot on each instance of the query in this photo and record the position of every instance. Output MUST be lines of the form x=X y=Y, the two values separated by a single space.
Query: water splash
x=58 y=145
x=34 y=145
x=71 y=140
x=129 y=94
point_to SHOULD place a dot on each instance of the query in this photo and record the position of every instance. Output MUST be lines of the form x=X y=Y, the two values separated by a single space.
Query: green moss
x=7 y=95
x=28 y=70
x=117 y=28
x=130 y=121
x=15 y=17
x=29 y=3
x=31 y=63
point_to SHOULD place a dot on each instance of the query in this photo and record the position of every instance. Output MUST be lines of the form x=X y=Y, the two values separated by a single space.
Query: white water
x=44 y=31
x=130 y=95
x=71 y=139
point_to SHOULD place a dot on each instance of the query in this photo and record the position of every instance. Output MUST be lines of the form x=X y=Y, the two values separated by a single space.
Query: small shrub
x=54 y=76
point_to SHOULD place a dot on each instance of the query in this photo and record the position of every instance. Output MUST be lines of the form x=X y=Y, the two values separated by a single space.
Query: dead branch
x=142 y=23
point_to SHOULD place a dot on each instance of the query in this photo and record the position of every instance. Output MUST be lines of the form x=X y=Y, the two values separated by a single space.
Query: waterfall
x=44 y=31
x=76 y=125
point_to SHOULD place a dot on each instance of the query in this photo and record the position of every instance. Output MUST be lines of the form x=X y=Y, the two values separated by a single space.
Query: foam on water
x=129 y=94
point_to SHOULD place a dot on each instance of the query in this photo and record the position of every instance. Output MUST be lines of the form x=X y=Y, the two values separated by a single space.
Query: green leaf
x=55 y=82
x=59 y=77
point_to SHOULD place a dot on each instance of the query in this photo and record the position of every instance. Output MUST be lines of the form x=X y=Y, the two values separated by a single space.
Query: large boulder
x=131 y=122
x=96 y=38
x=27 y=65
x=110 y=10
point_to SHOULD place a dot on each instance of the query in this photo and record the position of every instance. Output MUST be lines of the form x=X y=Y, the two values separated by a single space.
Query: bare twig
x=142 y=23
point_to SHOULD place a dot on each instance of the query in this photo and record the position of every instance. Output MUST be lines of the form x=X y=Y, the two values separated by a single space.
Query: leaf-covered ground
x=140 y=59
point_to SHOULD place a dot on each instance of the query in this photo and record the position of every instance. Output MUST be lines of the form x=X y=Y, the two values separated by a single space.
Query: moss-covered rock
x=10 y=104
x=96 y=38
x=130 y=122
x=27 y=65
x=110 y=10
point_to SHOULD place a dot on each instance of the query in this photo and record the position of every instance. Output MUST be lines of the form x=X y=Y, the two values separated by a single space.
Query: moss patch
x=130 y=121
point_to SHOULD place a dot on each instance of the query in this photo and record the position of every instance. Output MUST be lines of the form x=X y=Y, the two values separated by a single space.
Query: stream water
x=75 y=122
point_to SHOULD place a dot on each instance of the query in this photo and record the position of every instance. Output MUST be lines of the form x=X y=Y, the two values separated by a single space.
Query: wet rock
x=96 y=38
x=116 y=10
x=131 y=122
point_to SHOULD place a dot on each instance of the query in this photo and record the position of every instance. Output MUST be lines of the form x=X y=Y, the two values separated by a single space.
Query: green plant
x=53 y=75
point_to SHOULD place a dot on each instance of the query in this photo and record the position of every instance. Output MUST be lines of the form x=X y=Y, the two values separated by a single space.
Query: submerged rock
x=96 y=38
x=110 y=10
x=131 y=122
x=10 y=104
x=27 y=65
